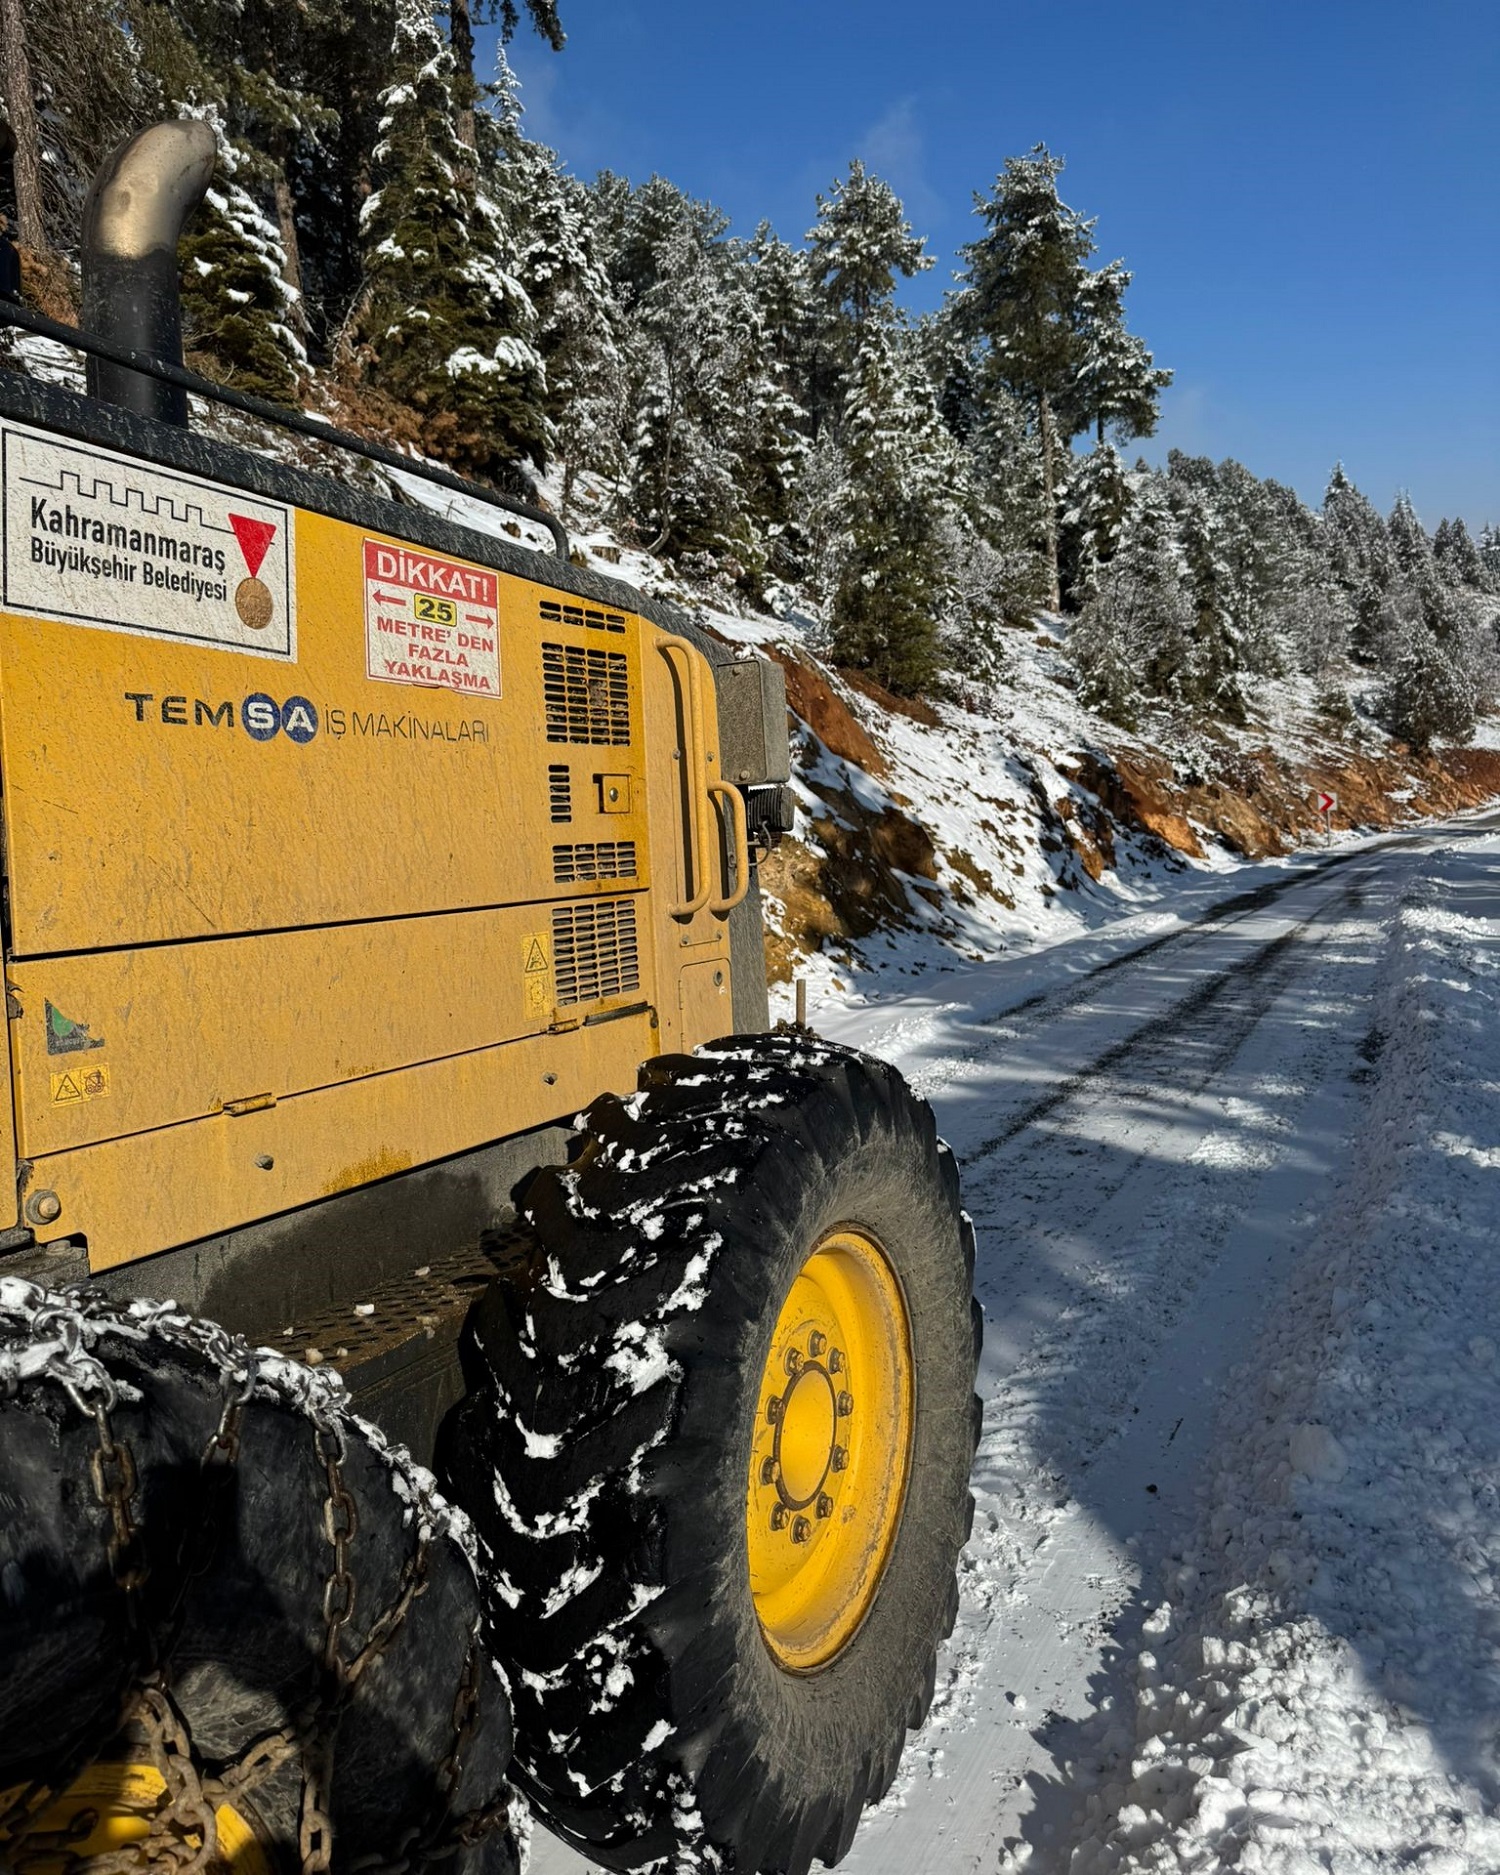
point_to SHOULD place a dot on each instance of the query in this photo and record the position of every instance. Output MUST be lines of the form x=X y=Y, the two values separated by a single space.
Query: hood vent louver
x=595 y=955
x=586 y=695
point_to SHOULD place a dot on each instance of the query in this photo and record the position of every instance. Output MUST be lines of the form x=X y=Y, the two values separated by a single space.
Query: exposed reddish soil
x=826 y=713
x=1259 y=807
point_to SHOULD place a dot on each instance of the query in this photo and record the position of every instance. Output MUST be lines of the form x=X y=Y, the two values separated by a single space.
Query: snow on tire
x=606 y=1451
x=202 y=1544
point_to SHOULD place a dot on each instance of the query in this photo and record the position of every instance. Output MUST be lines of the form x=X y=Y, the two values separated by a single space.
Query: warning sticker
x=93 y=538
x=537 y=972
x=431 y=622
x=80 y=1084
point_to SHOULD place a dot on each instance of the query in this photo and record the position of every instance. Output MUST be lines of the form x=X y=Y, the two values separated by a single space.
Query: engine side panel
x=275 y=933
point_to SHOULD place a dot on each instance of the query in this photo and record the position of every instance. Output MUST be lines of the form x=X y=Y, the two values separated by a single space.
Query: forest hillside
x=1032 y=673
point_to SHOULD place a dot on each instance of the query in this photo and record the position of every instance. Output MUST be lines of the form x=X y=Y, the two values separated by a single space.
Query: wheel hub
x=110 y=1808
x=806 y=1433
x=831 y=1451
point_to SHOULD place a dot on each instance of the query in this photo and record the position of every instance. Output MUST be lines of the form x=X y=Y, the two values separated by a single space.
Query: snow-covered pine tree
x=997 y=487
x=1133 y=643
x=1207 y=539
x=1096 y=502
x=1409 y=540
x=789 y=320
x=1430 y=692
x=445 y=323
x=860 y=242
x=579 y=329
x=858 y=246
x=1489 y=555
x=1021 y=301
x=277 y=82
x=1305 y=605
x=240 y=316
x=1118 y=385
x=1448 y=608
x=786 y=297
x=1458 y=558
x=899 y=460
x=773 y=444
x=1362 y=559
x=695 y=376
x=681 y=469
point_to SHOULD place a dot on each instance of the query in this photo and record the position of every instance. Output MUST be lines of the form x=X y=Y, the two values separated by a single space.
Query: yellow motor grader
x=392 y=1093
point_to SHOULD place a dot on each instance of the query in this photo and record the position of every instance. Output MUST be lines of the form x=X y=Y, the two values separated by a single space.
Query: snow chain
x=183 y=1835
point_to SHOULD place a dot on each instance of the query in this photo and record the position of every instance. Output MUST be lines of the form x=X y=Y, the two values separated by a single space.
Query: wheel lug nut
x=801 y=1530
x=836 y=1361
x=767 y=1470
x=825 y=1505
x=778 y=1516
x=773 y=1408
x=840 y=1459
x=793 y=1360
x=845 y=1405
x=816 y=1342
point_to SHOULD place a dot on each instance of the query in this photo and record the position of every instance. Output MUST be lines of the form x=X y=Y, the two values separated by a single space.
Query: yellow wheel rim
x=110 y=1807
x=832 y=1450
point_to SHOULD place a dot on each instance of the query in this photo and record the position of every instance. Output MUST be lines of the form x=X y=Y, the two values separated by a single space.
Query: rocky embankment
x=986 y=827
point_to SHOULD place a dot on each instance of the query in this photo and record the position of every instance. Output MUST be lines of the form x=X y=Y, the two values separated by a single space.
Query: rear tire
x=606 y=1458
x=213 y=1587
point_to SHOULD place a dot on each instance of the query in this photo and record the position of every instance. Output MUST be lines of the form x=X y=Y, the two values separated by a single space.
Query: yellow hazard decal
x=79 y=1084
x=536 y=967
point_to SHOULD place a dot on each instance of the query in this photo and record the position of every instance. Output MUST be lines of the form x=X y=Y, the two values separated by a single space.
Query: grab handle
x=695 y=757
x=741 y=848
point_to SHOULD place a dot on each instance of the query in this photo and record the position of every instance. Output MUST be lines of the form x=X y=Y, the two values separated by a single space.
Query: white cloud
x=895 y=149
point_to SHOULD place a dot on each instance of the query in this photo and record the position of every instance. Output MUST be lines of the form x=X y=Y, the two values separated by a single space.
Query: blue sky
x=1307 y=192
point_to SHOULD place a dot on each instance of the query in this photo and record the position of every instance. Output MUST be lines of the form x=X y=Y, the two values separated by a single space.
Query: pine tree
x=1361 y=556
x=1458 y=558
x=1096 y=504
x=789 y=321
x=1489 y=555
x=543 y=18
x=858 y=247
x=716 y=434
x=259 y=73
x=993 y=553
x=1024 y=282
x=1259 y=543
x=1117 y=388
x=898 y=460
x=1430 y=692
x=1307 y=606
x=239 y=313
x=21 y=118
x=579 y=330
x=681 y=335
x=1311 y=614
x=446 y=324
x=860 y=242
x=1408 y=538
x=86 y=94
x=1133 y=642
x=1213 y=673
x=772 y=442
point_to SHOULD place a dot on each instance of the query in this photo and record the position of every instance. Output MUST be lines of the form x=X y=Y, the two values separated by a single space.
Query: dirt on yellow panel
x=290 y=807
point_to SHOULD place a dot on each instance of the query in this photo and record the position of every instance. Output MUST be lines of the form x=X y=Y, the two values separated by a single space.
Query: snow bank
x=1321 y=1688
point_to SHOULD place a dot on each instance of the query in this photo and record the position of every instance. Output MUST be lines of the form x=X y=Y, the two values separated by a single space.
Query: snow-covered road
x=1164 y=1155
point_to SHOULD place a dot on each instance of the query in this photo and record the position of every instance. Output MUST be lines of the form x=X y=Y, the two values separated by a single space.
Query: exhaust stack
x=143 y=194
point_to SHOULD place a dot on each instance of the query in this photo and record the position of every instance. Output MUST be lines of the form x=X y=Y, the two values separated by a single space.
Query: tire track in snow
x=1130 y=1236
